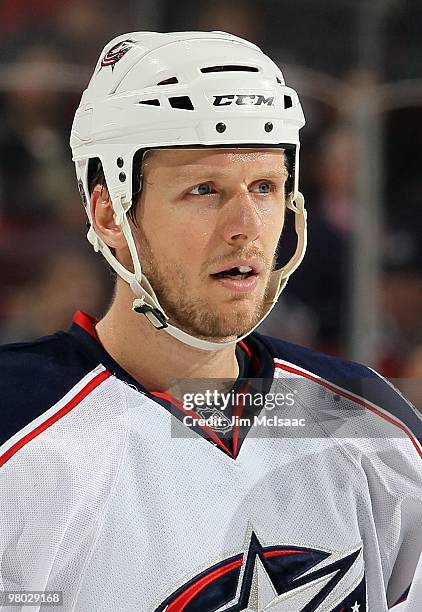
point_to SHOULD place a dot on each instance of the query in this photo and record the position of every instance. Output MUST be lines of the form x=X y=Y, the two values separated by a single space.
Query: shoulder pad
x=36 y=375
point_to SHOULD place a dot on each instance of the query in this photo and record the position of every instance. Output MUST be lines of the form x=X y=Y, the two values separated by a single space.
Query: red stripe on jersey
x=246 y=348
x=278 y=553
x=354 y=398
x=95 y=382
x=179 y=604
x=87 y=322
x=252 y=357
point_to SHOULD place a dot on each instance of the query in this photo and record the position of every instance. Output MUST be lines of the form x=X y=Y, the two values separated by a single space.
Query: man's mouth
x=242 y=278
x=236 y=273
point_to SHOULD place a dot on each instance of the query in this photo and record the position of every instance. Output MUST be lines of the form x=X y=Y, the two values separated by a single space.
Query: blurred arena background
x=357 y=66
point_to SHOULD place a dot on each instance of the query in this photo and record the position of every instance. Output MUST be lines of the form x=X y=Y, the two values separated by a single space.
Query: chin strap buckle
x=154 y=315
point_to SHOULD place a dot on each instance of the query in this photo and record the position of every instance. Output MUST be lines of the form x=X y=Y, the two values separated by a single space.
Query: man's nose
x=242 y=219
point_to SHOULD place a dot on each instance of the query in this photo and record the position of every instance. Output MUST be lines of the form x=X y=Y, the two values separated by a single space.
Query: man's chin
x=219 y=329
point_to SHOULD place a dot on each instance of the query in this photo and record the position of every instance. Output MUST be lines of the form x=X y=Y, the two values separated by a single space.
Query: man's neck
x=153 y=357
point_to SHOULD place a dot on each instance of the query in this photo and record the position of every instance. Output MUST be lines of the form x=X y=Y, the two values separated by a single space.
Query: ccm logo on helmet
x=243 y=100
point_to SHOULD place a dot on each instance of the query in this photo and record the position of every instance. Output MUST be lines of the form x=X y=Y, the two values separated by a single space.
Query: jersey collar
x=254 y=358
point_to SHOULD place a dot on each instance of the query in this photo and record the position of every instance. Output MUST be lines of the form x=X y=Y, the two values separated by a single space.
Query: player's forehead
x=186 y=161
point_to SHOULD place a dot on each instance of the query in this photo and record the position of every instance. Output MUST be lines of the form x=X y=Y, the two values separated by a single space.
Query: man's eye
x=201 y=189
x=262 y=187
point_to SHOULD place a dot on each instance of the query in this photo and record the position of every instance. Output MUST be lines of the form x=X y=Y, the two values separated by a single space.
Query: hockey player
x=115 y=490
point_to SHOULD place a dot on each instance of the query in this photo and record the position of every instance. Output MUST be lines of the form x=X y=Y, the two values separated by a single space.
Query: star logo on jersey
x=116 y=53
x=276 y=579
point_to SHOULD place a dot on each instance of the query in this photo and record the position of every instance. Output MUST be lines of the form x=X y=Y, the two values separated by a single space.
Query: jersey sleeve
x=402 y=537
x=394 y=474
x=45 y=503
x=385 y=438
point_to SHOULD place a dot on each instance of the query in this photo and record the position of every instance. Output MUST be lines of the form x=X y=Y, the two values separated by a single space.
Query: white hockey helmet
x=151 y=90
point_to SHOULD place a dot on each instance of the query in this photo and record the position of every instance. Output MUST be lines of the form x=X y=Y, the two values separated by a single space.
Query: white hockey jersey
x=108 y=496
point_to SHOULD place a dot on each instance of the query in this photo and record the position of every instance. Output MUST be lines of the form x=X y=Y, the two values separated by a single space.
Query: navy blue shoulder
x=351 y=376
x=321 y=364
x=36 y=375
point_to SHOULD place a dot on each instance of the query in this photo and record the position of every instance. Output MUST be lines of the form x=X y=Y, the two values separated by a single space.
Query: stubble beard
x=195 y=315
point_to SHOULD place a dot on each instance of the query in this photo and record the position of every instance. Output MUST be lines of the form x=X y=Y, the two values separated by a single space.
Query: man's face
x=202 y=212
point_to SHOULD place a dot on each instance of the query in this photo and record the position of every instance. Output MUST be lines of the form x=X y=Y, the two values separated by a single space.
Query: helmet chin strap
x=146 y=301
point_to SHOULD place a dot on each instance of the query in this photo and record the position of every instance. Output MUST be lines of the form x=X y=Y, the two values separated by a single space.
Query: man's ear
x=104 y=219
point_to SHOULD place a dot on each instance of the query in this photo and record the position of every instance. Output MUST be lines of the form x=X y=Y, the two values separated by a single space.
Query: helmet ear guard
x=129 y=104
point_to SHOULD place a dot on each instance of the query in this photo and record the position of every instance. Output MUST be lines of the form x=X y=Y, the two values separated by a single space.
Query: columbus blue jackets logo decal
x=116 y=53
x=277 y=579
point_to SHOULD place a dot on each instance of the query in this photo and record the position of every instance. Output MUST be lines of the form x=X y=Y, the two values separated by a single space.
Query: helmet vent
x=288 y=102
x=170 y=81
x=229 y=68
x=150 y=102
x=279 y=80
x=182 y=102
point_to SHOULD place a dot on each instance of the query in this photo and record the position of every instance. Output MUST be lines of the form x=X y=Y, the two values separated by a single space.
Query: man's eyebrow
x=190 y=172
